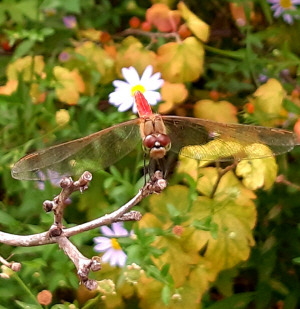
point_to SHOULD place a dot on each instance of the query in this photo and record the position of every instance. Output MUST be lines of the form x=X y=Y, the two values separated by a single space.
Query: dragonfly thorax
x=157 y=145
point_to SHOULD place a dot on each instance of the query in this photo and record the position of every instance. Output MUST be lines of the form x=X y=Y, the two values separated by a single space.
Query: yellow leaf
x=91 y=34
x=98 y=58
x=229 y=186
x=235 y=222
x=257 y=173
x=173 y=95
x=221 y=111
x=181 y=62
x=69 y=85
x=133 y=53
x=10 y=87
x=25 y=67
x=267 y=102
x=194 y=23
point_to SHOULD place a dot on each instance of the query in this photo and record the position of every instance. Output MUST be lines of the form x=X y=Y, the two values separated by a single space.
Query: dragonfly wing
x=209 y=140
x=93 y=152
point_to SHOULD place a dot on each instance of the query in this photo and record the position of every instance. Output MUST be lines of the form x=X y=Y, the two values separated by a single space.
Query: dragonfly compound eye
x=149 y=141
x=164 y=140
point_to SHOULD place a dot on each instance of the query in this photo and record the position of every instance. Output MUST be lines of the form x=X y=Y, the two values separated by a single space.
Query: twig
x=221 y=173
x=283 y=180
x=152 y=35
x=57 y=233
x=15 y=266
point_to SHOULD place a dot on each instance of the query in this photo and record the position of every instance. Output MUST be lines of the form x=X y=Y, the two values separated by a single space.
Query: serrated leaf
x=69 y=85
x=181 y=62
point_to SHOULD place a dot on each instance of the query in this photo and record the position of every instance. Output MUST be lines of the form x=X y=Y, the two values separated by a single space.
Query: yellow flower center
x=115 y=244
x=137 y=88
x=286 y=4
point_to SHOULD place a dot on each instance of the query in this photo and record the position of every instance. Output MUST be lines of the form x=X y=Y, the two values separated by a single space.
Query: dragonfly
x=195 y=138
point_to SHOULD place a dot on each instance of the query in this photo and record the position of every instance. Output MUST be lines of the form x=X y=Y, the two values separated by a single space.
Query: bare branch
x=57 y=233
x=155 y=185
x=283 y=180
x=15 y=266
x=83 y=264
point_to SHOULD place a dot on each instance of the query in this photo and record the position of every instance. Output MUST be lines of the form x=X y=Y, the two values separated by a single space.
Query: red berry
x=184 y=31
x=146 y=26
x=105 y=37
x=5 y=45
x=250 y=108
x=214 y=95
x=295 y=93
x=134 y=22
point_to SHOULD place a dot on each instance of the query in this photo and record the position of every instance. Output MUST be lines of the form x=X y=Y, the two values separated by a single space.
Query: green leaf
x=27 y=306
x=23 y=48
x=72 y=6
x=166 y=294
x=291 y=106
x=296 y=260
x=237 y=301
x=165 y=270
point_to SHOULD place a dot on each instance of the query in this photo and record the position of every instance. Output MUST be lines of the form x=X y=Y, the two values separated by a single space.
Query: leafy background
x=228 y=61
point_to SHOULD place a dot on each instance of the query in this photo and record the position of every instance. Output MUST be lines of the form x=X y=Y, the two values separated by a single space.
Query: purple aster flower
x=64 y=56
x=70 y=21
x=113 y=253
x=53 y=176
x=282 y=7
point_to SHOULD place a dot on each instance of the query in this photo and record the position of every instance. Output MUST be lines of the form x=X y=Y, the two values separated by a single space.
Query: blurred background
x=199 y=245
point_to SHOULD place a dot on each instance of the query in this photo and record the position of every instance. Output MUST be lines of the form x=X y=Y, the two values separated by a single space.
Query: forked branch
x=58 y=234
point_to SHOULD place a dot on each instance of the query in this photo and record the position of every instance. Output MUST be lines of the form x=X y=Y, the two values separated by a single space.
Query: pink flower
x=70 y=21
x=114 y=255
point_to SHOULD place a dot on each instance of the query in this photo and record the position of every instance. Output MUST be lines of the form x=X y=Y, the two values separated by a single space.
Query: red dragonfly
x=191 y=137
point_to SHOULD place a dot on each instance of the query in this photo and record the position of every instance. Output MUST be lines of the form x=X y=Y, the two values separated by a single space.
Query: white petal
x=105 y=230
x=134 y=108
x=278 y=12
x=288 y=18
x=107 y=255
x=101 y=247
x=154 y=85
x=117 y=98
x=101 y=239
x=126 y=105
x=147 y=73
x=114 y=258
x=118 y=229
x=120 y=84
x=131 y=76
x=121 y=258
x=152 y=97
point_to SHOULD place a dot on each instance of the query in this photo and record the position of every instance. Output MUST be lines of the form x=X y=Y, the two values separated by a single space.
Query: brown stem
x=221 y=173
x=283 y=180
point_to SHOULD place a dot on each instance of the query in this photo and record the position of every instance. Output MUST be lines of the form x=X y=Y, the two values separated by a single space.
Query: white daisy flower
x=114 y=255
x=123 y=96
x=282 y=7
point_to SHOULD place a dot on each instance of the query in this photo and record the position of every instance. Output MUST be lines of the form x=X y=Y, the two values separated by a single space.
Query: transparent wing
x=208 y=140
x=93 y=152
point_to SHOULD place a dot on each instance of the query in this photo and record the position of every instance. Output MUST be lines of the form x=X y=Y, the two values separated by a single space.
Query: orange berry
x=214 y=95
x=134 y=22
x=105 y=37
x=184 y=31
x=146 y=26
x=250 y=108
x=297 y=129
x=295 y=93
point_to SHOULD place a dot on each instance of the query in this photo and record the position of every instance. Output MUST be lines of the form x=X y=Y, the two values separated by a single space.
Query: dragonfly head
x=157 y=145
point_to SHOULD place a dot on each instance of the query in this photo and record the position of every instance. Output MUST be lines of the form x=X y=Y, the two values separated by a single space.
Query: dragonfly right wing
x=213 y=141
x=93 y=152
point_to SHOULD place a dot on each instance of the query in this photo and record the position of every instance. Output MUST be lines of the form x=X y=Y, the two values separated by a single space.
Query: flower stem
x=25 y=288
x=226 y=53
